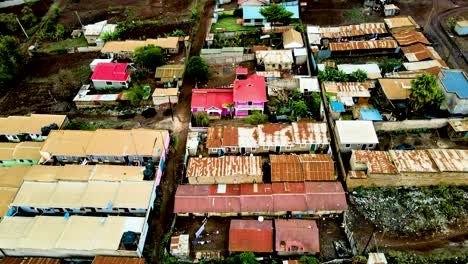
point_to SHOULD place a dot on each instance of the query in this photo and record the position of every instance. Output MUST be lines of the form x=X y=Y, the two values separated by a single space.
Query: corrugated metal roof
x=274 y=56
x=372 y=69
x=353 y=30
x=413 y=161
x=214 y=137
x=348 y=89
x=396 y=89
x=422 y=65
x=224 y=166
x=275 y=135
x=296 y=236
x=459 y=125
x=29 y=260
x=305 y=167
x=375 y=161
x=251 y=235
x=363 y=45
x=450 y=160
x=310 y=133
x=403 y=21
x=117 y=260
x=411 y=37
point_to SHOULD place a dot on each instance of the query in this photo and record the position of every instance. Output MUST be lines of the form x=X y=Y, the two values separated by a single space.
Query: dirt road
x=442 y=42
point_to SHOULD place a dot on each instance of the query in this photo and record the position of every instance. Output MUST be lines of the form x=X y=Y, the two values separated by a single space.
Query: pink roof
x=110 y=72
x=207 y=98
x=252 y=89
x=297 y=236
x=242 y=71
x=264 y=198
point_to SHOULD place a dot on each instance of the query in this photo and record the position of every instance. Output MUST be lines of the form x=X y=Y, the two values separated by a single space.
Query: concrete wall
x=275 y=86
x=226 y=179
x=411 y=124
x=227 y=58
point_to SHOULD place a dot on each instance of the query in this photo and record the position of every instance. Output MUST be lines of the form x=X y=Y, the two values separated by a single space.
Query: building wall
x=362 y=146
x=253 y=22
x=226 y=179
x=91 y=39
x=409 y=179
x=314 y=148
x=65 y=253
x=160 y=100
x=456 y=105
x=274 y=66
x=101 y=84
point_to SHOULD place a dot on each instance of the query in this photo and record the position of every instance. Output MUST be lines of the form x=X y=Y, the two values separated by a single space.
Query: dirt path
x=199 y=39
x=447 y=49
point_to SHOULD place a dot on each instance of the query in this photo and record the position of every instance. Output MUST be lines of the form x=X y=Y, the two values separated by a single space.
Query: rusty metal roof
x=251 y=235
x=230 y=136
x=225 y=166
x=353 y=30
x=413 y=161
x=376 y=161
x=411 y=37
x=306 y=167
x=310 y=133
x=450 y=160
x=363 y=45
x=296 y=236
x=349 y=89
x=419 y=52
x=29 y=260
x=117 y=260
x=275 y=135
x=214 y=137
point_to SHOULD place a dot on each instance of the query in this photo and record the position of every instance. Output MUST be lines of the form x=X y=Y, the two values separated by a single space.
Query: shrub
x=257 y=118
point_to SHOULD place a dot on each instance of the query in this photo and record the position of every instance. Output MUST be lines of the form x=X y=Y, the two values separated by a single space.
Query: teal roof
x=253 y=12
x=370 y=114
x=456 y=82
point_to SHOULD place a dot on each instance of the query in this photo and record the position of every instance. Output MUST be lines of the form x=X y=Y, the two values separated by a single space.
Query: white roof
x=274 y=56
x=422 y=65
x=309 y=83
x=74 y=233
x=96 y=61
x=94 y=29
x=313 y=34
x=356 y=132
x=300 y=52
x=247 y=137
x=372 y=70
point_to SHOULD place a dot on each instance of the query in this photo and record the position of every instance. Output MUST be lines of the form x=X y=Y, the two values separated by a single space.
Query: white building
x=92 y=32
x=355 y=134
x=275 y=59
x=372 y=69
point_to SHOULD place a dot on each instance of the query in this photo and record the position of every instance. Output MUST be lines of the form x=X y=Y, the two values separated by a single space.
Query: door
x=363 y=147
x=277 y=149
x=242 y=150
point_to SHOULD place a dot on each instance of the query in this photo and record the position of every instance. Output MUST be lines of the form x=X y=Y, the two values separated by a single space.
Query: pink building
x=214 y=102
x=249 y=94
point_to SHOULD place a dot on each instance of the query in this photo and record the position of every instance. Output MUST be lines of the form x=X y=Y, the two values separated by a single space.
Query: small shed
x=391 y=10
x=461 y=28
x=165 y=96
x=300 y=55
x=355 y=134
x=458 y=129
x=180 y=246
x=251 y=235
x=295 y=237
x=292 y=39
x=309 y=84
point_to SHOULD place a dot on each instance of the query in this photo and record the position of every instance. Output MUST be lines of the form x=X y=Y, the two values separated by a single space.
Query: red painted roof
x=207 y=98
x=260 y=198
x=252 y=89
x=297 y=236
x=251 y=235
x=242 y=71
x=110 y=72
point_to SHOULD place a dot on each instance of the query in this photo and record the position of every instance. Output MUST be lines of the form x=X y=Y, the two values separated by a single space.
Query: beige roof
x=67 y=142
x=450 y=160
x=7 y=194
x=131 y=45
x=107 y=142
x=12 y=176
x=29 y=124
x=64 y=194
x=23 y=150
x=413 y=161
x=396 y=22
x=463 y=23
x=117 y=173
x=275 y=135
x=167 y=72
x=396 y=89
x=75 y=233
x=355 y=132
x=42 y=173
x=292 y=39
x=165 y=92
x=459 y=125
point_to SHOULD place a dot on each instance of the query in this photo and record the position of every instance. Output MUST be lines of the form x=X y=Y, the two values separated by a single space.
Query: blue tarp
x=337 y=107
x=455 y=82
x=253 y=12
x=370 y=115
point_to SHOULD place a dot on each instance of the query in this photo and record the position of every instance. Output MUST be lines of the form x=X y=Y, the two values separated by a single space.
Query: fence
x=227 y=58
x=411 y=124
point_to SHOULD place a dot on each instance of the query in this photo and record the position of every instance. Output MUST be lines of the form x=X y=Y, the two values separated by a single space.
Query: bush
x=149 y=57
x=135 y=94
x=197 y=69
x=200 y=120
x=257 y=118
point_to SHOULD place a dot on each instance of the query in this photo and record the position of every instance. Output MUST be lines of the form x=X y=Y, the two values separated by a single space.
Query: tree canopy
x=11 y=60
x=358 y=76
x=425 y=94
x=389 y=65
x=197 y=69
x=149 y=57
x=8 y=24
x=277 y=14
x=332 y=75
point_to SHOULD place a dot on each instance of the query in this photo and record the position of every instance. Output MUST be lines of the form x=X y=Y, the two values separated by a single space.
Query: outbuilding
x=116 y=75
x=355 y=134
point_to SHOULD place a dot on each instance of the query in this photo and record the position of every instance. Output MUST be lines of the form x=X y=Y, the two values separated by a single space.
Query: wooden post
x=21 y=26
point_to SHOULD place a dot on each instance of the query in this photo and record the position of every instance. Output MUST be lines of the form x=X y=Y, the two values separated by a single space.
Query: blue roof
x=253 y=12
x=337 y=107
x=455 y=82
x=370 y=115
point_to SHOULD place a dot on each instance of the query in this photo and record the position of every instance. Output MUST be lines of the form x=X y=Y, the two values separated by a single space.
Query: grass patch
x=63 y=45
x=80 y=124
x=230 y=24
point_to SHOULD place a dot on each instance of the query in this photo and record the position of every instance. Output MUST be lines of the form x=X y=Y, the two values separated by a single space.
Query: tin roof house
x=19 y=128
x=249 y=94
x=355 y=134
x=116 y=75
x=251 y=235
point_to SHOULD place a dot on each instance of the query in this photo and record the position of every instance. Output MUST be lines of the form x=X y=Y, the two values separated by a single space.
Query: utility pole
x=79 y=20
x=22 y=28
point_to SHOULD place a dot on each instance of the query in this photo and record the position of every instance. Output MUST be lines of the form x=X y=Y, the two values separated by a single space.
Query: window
x=108 y=83
x=266 y=147
x=348 y=145
x=233 y=148
x=288 y=147
x=273 y=65
x=254 y=149
x=21 y=160
x=303 y=145
x=370 y=145
x=123 y=83
x=247 y=20
x=249 y=103
x=258 y=20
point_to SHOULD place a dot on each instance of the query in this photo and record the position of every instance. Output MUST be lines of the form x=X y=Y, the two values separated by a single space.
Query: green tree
x=256 y=118
x=247 y=258
x=332 y=75
x=425 y=94
x=201 y=120
x=389 y=65
x=277 y=14
x=11 y=61
x=313 y=102
x=230 y=107
x=8 y=24
x=59 y=31
x=135 y=94
x=298 y=109
x=197 y=69
x=27 y=16
x=358 y=76
x=149 y=57
x=178 y=33
x=308 y=260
